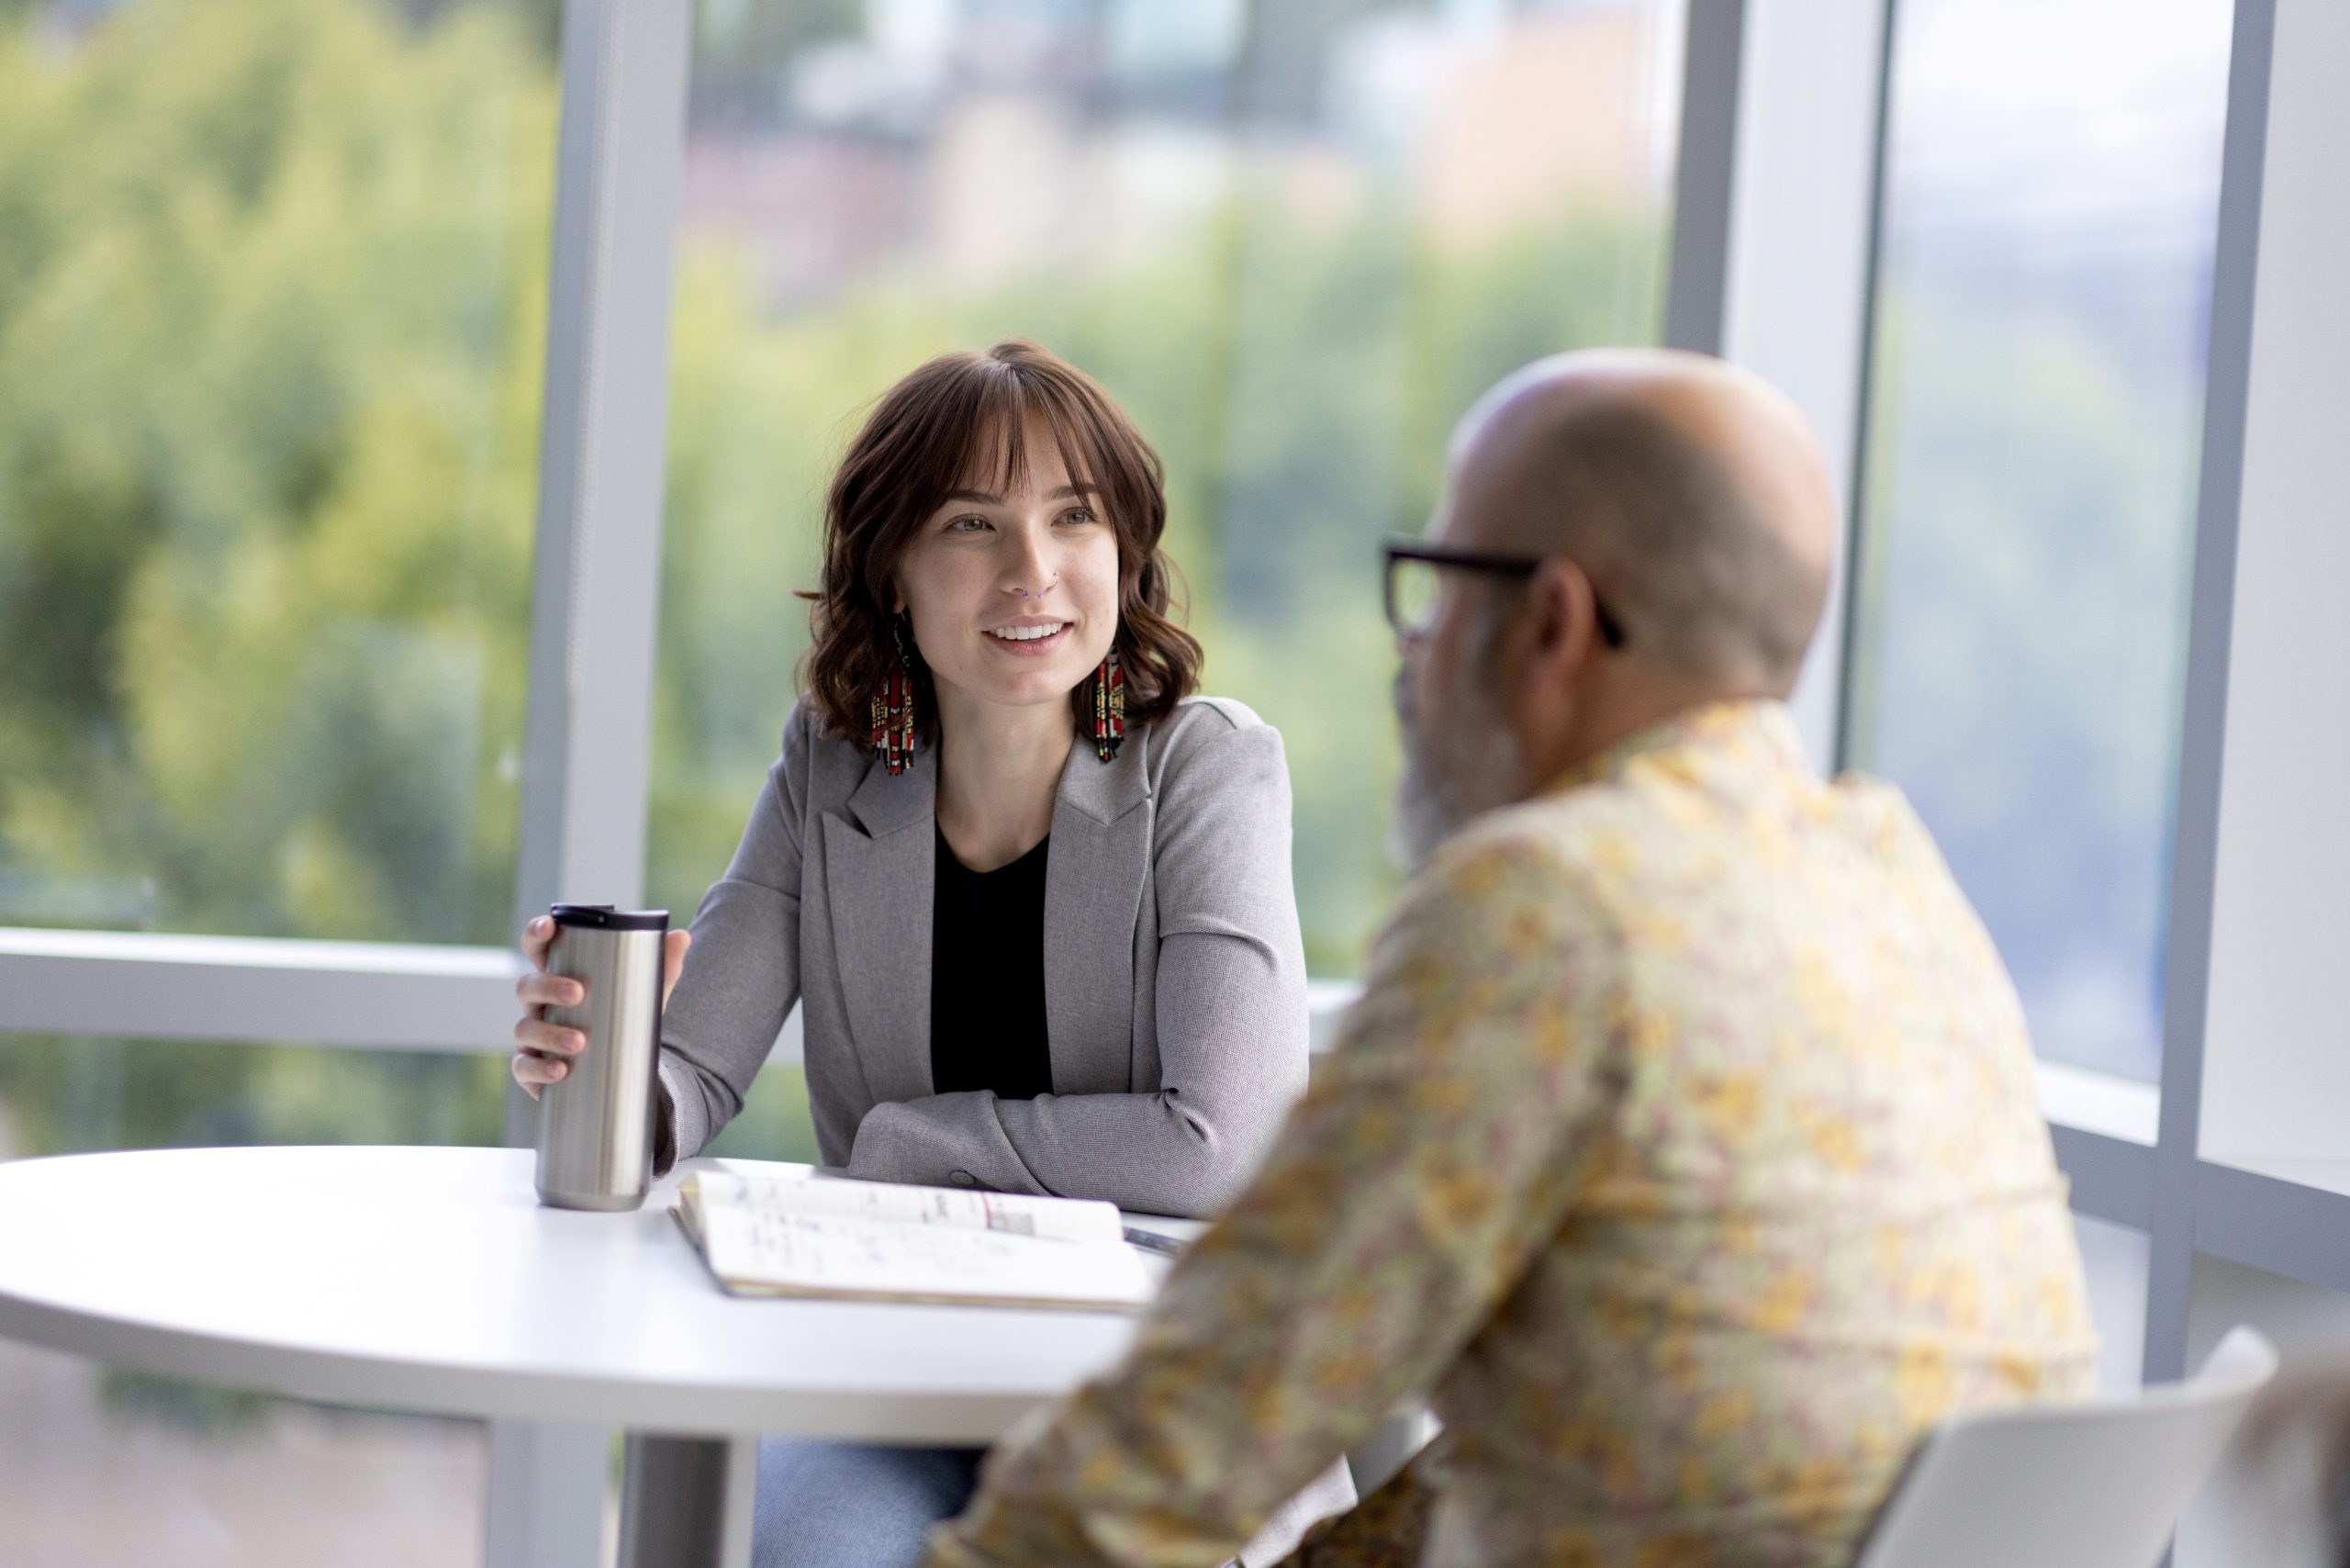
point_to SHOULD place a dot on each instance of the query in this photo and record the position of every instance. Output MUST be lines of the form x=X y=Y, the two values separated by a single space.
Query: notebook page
x=1060 y=1219
x=831 y=1254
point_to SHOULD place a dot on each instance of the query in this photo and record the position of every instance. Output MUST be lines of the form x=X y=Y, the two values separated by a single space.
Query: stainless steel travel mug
x=596 y=1125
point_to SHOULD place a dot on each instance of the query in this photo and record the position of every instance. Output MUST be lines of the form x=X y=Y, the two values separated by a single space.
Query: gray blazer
x=1174 y=973
x=1174 y=983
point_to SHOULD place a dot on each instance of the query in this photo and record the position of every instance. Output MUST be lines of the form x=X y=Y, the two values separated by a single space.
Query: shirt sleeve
x=741 y=977
x=1436 y=1153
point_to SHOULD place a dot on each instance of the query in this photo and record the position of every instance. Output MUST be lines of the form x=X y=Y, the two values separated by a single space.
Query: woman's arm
x=1230 y=1010
x=742 y=974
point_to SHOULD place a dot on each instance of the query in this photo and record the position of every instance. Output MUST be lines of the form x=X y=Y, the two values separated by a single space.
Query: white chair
x=2098 y=1484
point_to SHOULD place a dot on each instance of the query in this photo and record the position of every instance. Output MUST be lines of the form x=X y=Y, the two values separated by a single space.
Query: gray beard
x=1464 y=763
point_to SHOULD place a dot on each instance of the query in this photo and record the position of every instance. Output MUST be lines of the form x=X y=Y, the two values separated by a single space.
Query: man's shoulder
x=1608 y=848
x=1524 y=857
x=1648 y=816
x=1630 y=848
x=1568 y=828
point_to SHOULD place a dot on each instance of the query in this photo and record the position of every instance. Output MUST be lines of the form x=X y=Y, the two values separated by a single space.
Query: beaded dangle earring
x=893 y=709
x=1109 y=706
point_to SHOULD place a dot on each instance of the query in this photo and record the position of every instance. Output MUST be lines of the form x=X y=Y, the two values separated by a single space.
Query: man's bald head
x=1690 y=491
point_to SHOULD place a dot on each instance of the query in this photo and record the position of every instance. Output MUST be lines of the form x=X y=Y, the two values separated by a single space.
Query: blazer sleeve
x=1230 y=1009
x=742 y=974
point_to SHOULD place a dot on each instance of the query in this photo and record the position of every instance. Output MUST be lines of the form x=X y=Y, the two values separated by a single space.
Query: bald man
x=1682 y=1149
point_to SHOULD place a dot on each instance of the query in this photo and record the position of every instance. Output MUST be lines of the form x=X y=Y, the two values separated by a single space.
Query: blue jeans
x=853 y=1505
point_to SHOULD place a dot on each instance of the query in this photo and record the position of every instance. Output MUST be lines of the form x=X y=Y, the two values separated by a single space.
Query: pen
x=1152 y=1241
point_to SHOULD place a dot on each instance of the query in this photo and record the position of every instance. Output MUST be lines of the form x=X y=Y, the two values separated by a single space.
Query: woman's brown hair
x=927 y=437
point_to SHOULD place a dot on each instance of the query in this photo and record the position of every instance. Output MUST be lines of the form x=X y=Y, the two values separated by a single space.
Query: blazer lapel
x=1093 y=880
x=879 y=862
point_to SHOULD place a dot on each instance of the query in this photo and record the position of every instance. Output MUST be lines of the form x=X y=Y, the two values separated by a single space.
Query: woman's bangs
x=995 y=459
x=996 y=453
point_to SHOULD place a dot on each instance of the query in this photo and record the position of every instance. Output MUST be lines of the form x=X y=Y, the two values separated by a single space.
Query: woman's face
x=1014 y=596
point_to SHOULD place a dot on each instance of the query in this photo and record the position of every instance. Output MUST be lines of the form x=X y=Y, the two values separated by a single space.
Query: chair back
x=2096 y=1484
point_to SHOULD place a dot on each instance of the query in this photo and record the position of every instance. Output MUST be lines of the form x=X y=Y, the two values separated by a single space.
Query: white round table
x=431 y=1279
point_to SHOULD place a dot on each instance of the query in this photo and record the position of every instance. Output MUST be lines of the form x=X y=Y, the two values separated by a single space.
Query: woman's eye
x=967 y=525
x=1077 y=514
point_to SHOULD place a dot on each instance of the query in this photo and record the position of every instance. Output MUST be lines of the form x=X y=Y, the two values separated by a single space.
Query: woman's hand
x=547 y=1048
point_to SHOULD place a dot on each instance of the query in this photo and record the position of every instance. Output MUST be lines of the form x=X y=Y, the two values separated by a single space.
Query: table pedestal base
x=686 y=1502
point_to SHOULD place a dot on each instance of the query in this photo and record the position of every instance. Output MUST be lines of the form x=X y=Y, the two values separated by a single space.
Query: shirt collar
x=1759 y=733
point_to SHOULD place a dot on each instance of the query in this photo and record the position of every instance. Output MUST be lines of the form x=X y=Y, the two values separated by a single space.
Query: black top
x=987 y=976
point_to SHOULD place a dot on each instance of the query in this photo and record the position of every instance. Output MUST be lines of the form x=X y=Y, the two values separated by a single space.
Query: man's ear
x=1562 y=622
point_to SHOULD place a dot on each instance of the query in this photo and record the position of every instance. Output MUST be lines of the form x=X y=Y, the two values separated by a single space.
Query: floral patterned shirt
x=1682 y=1149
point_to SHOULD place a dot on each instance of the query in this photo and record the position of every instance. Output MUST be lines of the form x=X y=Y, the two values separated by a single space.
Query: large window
x=271 y=282
x=1293 y=239
x=271 y=286
x=2051 y=175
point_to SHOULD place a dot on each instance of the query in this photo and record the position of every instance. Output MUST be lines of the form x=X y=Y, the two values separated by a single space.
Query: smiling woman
x=1032 y=897
x=993 y=498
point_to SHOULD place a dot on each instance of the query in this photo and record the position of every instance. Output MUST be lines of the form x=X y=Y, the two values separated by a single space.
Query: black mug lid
x=604 y=917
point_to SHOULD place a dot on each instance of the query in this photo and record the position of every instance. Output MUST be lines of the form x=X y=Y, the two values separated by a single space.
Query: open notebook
x=791 y=1234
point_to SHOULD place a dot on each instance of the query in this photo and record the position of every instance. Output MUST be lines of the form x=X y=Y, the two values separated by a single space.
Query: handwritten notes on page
x=898 y=1243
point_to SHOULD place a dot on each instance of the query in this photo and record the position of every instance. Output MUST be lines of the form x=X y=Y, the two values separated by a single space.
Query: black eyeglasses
x=1413 y=584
